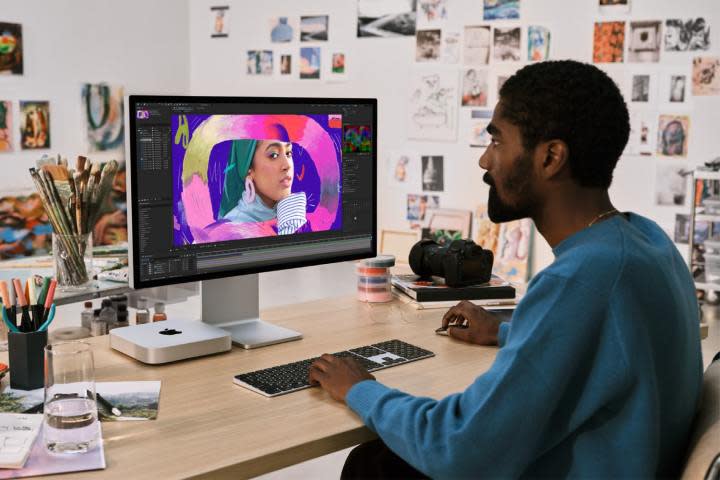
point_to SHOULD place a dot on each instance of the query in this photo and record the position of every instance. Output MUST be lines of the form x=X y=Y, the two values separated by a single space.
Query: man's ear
x=554 y=158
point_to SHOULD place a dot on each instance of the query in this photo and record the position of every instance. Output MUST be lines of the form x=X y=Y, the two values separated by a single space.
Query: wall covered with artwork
x=436 y=71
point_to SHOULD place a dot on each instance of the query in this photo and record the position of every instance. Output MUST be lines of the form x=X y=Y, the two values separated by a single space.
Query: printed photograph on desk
x=538 y=43
x=506 y=44
x=282 y=29
x=248 y=176
x=706 y=76
x=380 y=18
x=34 y=125
x=608 y=42
x=672 y=136
x=6 y=125
x=24 y=227
x=314 y=28
x=219 y=21
x=11 y=49
x=686 y=35
x=501 y=9
x=102 y=108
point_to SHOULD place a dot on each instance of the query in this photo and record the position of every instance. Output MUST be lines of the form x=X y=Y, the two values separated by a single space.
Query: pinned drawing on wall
x=282 y=29
x=706 y=76
x=686 y=35
x=220 y=22
x=428 y=45
x=538 y=43
x=614 y=6
x=501 y=9
x=404 y=170
x=380 y=18
x=644 y=43
x=506 y=44
x=432 y=173
x=671 y=184
x=513 y=250
x=433 y=10
x=338 y=67
x=673 y=131
x=642 y=133
x=285 y=64
x=433 y=104
x=487 y=232
x=677 y=88
x=476 y=49
x=24 y=227
x=608 y=42
x=479 y=120
x=259 y=62
x=314 y=28
x=310 y=62
x=34 y=125
x=640 y=88
x=450 y=46
x=419 y=205
x=6 y=120
x=11 y=49
x=102 y=107
x=474 y=88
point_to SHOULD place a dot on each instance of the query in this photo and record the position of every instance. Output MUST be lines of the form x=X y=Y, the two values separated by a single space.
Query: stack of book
x=433 y=293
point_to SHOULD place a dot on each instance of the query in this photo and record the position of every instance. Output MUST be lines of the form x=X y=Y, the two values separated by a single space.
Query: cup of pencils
x=27 y=313
x=73 y=199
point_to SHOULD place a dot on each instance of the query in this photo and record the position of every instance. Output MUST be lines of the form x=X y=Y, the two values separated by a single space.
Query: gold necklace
x=603 y=215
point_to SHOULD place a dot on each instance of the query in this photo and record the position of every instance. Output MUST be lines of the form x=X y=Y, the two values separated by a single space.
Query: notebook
x=17 y=435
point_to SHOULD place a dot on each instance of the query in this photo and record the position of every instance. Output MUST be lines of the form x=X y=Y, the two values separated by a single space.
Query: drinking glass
x=71 y=419
x=73 y=260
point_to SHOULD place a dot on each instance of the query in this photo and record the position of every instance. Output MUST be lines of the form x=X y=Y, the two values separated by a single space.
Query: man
x=599 y=372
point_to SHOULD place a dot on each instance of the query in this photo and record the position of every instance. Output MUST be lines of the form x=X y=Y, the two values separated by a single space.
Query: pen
x=13 y=301
x=4 y=293
x=49 y=299
x=25 y=323
x=108 y=406
x=43 y=291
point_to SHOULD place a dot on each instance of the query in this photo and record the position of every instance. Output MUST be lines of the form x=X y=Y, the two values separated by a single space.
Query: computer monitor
x=222 y=188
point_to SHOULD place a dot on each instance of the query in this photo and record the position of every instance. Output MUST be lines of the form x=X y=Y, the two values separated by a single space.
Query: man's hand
x=470 y=323
x=337 y=375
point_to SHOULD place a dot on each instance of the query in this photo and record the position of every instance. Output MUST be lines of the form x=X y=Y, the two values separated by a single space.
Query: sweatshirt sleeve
x=500 y=423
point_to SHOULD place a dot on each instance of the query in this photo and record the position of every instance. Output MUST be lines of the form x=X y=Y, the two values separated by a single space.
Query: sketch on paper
x=310 y=62
x=451 y=47
x=686 y=35
x=433 y=10
x=644 y=42
x=673 y=133
x=259 y=62
x=404 y=170
x=433 y=106
x=314 y=28
x=103 y=117
x=706 y=76
x=677 y=88
x=11 y=49
x=640 y=88
x=479 y=120
x=501 y=9
x=220 y=22
x=608 y=42
x=614 y=6
x=538 y=43
x=382 y=18
x=34 y=125
x=432 y=173
x=474 y=88
x=6 y=136
x=506 y=44
x=476 y=49
x=428 y=45
x=282 y=30
x=670 y=184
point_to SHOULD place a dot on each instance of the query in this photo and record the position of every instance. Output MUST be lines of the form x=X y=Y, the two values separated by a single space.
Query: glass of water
x=71 y=419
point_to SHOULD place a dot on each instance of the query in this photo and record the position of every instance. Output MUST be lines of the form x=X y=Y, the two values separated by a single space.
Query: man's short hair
x=573 y=102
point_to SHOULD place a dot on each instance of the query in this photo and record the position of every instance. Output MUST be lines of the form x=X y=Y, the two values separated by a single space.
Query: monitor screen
x=228 y=186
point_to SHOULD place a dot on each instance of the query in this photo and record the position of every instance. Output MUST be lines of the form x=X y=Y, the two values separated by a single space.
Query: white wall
x=141 y=45
x=382 y=67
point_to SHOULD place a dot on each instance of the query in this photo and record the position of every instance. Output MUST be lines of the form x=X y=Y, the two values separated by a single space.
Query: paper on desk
x=136 y=400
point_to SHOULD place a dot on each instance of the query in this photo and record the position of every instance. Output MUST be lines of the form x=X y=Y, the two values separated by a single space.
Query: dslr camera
x=460 y=262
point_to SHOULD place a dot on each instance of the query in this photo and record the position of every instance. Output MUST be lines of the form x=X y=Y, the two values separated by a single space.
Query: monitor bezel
x=134 y=259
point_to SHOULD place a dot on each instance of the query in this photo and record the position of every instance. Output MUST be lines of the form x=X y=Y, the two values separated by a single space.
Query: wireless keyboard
x=291 y=377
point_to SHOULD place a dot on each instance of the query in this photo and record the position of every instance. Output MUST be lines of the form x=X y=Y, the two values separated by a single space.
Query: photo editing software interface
x=222 y=186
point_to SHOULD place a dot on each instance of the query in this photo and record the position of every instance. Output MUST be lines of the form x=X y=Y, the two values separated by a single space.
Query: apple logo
x=170 y=331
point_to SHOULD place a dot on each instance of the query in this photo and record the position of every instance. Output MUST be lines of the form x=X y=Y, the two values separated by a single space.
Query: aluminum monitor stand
x=233 y=305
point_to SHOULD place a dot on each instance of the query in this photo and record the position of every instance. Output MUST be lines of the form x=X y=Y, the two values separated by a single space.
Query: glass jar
x=73 y=259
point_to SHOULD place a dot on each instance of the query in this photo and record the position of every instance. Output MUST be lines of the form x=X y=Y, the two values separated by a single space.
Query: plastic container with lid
x=374 y=279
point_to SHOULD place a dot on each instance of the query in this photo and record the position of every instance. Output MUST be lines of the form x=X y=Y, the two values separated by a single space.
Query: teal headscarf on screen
x=241 y=155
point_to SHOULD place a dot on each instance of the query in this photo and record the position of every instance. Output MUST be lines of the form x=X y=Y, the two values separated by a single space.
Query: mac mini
x=169 y=340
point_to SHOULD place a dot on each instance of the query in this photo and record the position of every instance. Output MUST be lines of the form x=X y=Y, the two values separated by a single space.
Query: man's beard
x=519 y=183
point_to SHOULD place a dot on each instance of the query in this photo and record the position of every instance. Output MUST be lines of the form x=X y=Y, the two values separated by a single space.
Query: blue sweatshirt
x=598 y=374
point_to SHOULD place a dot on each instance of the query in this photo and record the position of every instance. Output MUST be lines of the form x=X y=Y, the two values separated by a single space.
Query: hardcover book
x=434 y=289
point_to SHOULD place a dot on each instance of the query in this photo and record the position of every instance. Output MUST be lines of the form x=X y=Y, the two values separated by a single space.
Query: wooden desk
x=209 y=427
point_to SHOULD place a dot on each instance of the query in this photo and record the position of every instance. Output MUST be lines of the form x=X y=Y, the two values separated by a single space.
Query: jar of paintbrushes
x=73 y=199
